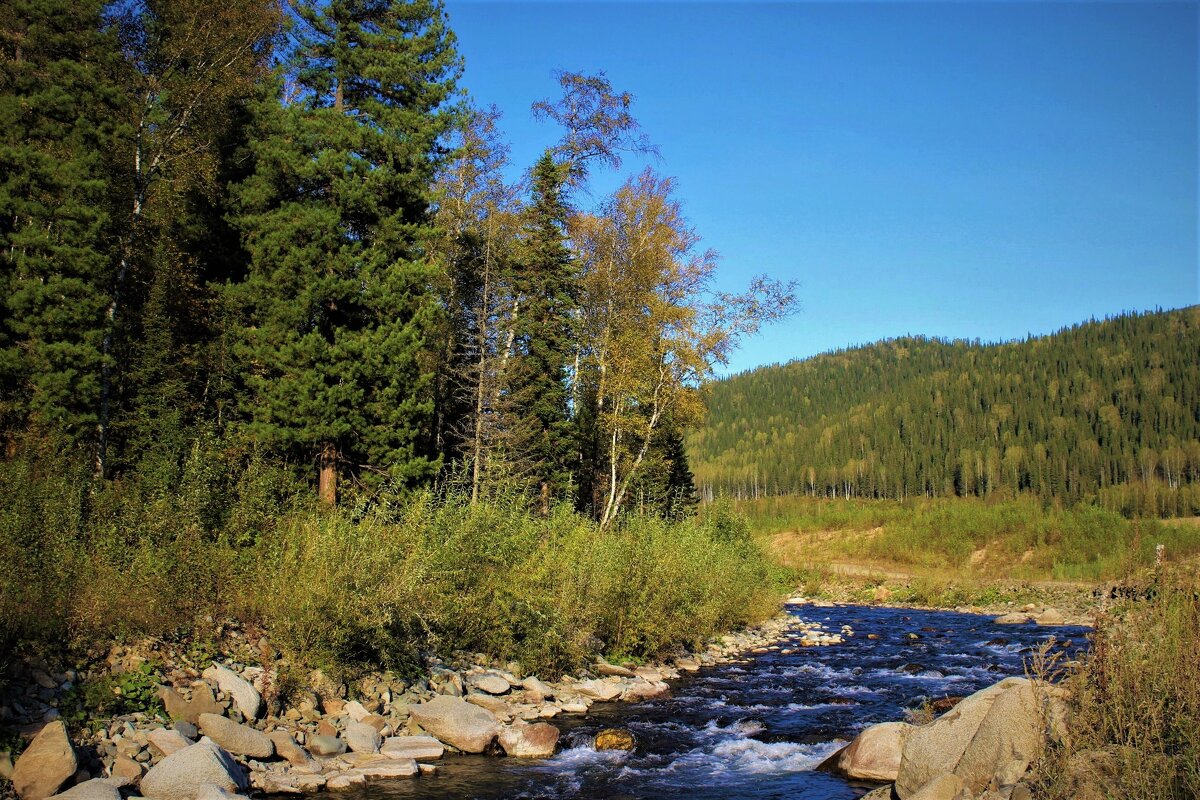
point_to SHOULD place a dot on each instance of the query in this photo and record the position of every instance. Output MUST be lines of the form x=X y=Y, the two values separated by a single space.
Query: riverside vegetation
x=274 y=250
x=365 y=586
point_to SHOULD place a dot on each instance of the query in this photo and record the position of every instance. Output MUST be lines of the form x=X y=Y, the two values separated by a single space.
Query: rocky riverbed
x=228 y=734
x=222 y=721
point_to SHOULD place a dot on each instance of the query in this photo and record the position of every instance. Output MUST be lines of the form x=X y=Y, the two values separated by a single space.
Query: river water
x=758 y=728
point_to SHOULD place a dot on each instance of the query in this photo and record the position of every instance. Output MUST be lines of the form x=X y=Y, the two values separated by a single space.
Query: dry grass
x=1135 y=732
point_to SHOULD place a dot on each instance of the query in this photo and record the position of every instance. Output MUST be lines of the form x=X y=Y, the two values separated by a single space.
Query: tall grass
x=369 y=584
x=1016 y=538
x=1136 y=726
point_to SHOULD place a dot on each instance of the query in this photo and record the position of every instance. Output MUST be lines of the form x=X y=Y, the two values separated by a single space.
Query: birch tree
x=653 y=327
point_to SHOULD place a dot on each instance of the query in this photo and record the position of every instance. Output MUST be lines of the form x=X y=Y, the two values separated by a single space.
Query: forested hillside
x=1103 y=410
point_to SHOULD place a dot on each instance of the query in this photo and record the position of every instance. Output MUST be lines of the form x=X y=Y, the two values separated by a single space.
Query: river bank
x=312 y=732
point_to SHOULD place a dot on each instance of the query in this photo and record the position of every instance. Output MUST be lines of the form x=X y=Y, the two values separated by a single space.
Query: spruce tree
x=338 y=298
x=57 y=109
x=545 y=284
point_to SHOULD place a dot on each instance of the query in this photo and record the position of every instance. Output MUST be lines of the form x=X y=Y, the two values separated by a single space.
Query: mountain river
x=757 y=728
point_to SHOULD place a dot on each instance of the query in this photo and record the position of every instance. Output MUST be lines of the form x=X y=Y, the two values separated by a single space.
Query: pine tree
x=57 y=105
x=338 y=299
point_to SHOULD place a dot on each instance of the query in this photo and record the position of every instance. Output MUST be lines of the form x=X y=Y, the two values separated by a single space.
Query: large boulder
x=529 y=741
x=874 y=755
x=1012 y=618
x=979 y=736
x=182 y=775
x=245 y=696
x=241 y=740
x=1012 y=731
x=46 y=764
x=457 y=723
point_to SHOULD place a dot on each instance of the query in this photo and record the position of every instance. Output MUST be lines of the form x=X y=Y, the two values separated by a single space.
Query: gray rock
x=286 y=747
x=529 y=741
x=1015 y=618
x=489 y=702
x=320 y=745
x=167 y=741
x=457 y=723
x=362 y=738
x=605 y=668
x=245 y=696
x=96 y=789
x=240 y=740
x=420 y=748
x=46 y=764
x=388 y=768
x=537 y=686
x=211 y=791
x=203 y=702
x=489 y=682
x=181 y=775
x=599 y=690
x=355 y=710
x=187 y=730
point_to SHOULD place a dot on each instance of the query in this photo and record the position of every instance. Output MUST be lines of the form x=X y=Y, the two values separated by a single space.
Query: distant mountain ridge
x=1105 y=410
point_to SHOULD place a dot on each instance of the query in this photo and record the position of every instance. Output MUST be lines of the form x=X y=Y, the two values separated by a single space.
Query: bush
x=442 y=573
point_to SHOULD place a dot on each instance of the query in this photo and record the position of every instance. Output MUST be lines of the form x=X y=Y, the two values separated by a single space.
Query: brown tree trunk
x=327 y=481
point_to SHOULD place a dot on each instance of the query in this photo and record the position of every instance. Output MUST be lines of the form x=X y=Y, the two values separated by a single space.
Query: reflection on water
x=756 y=729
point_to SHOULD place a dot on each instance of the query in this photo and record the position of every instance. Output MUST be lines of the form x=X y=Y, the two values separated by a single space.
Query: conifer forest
x=1105 y=411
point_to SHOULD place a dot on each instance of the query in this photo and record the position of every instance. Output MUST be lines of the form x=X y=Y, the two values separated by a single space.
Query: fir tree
x=546 y=290
x=339 y=299
x=57 y=105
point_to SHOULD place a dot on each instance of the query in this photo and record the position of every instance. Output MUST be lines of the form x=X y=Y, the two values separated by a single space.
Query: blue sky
x=974 y=170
